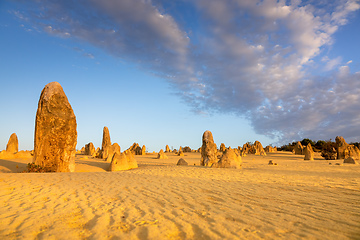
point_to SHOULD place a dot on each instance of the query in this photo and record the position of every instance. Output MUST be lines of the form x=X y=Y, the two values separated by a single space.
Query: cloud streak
x=252 y=58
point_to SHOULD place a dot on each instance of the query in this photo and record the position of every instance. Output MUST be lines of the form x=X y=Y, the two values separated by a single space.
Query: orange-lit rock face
x=55 y=131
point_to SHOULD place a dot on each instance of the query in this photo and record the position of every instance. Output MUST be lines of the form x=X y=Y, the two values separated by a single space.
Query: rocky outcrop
x=13 y=144
x=258 y=149
x=143 y=150
x=345 y=150
x=167 y=149
x=246 y=149
x=208 y=150
x=90 y=149
x=122 y=161
x=55 y=131
x=186 y=149
x=135 y=149
x=106 y=144
x=229 y=160
x=298 y=149
x=309 y=153
x=114 y=148
x=270 y=149
x=162 y=155
x=182 y=162
x=180 y=153
x=350 y=160
x=222 y=147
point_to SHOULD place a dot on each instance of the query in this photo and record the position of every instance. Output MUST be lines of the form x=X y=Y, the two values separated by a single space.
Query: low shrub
x=32 y=167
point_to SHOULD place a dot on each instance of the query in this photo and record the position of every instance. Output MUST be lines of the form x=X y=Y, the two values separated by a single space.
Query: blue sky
x=159 y=72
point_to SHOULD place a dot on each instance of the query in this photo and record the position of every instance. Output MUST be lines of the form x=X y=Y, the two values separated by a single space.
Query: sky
x=162 y=72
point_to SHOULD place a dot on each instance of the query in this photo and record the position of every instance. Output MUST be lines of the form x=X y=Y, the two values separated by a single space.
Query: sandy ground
x=294 y=200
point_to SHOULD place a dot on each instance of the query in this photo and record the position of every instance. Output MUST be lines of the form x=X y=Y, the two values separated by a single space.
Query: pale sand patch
x=294 y=200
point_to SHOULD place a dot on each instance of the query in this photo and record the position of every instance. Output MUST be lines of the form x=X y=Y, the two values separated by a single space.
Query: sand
x=295 y=199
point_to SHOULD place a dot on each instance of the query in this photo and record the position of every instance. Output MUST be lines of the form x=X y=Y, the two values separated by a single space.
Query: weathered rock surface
x=222 y=147
x=89 y=149
x=180 y=153
x=122 y=161
x=167 y=149
x=229 y=160
x=186 y=149
x=345 y=150
x=143 y=150
x=208 y=150
x=131 y=160
x=270 y=149
x=13 y=144
x=350 y=160
x=135 y=149
x=246 y=149
x=106 y=143
x=182 y=162
x=162 y=155
x=298 y=149
x=114 y=148
x=55 y=131
x=309 y=153
x=258 y=149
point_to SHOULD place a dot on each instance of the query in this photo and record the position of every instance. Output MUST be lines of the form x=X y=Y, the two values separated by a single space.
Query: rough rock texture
x=309 y=153
x=350 y=160
x=106 y=144
x=143 y=150
x=180 y=153
x=352 y=151
x=182 y=162
x=229 y=160
x=222 y=147
x=13 y=144
x=186 y=149
x=131 y=159
x=114 y=148
x=135 y=149
x=345 y=150
x=270 y=149
x=246 y=149
x=258 y=149
x=167 y=149
x=122 y=161
x=55 y=131
x=89 y=149
x=208 y=150
x=341 y=147
x=298 y=149
x=162 y=155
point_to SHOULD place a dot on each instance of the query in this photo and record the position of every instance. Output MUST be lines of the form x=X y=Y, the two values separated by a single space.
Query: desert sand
x=295 y=199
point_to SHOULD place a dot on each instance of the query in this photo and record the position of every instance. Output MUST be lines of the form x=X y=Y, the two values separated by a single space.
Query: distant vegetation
x=327 y=148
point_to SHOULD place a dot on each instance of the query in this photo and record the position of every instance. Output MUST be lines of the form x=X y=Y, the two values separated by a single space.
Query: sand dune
x=294 y=200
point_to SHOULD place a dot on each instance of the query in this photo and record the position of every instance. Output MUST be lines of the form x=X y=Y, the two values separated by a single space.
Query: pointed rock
x=13 y=144
x=309 y=153
x=208 y=150
x=182 y=162
x=90 y=149
x=106 y=143
x=162 y=155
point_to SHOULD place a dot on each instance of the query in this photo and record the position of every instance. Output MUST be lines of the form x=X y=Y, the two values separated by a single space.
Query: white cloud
x=332 y=63
x=253 y=58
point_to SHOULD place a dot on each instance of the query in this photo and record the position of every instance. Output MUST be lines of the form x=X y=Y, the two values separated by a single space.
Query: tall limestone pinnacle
x=55 y=131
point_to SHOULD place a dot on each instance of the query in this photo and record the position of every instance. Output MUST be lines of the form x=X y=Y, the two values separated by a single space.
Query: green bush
x=328 y=150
